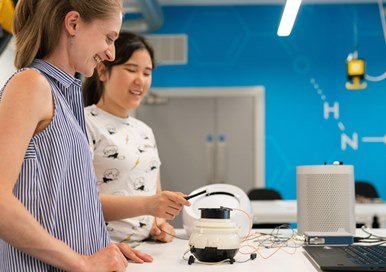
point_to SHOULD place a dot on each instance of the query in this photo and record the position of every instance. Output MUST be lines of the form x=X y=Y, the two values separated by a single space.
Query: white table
x=278 y=211
x=168 y=258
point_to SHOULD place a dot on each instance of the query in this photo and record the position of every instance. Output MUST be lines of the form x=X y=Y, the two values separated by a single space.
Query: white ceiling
x=254 y=2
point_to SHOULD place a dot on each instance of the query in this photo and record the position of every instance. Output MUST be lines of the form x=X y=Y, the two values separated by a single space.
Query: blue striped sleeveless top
x=57 y=182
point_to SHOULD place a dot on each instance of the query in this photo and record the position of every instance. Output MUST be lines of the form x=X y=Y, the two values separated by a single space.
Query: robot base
x=212 y=254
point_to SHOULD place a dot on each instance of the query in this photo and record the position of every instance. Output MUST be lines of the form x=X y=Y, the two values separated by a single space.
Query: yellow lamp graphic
x=6 y=14
x=355 y=72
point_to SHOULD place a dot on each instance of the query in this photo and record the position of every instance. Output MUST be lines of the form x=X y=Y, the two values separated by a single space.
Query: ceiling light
x=288 y=18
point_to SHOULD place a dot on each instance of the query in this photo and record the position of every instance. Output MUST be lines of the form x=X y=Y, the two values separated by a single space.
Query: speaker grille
x=326 y=202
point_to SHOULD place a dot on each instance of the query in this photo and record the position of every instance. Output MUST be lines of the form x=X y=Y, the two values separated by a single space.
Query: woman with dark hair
x=124 y=150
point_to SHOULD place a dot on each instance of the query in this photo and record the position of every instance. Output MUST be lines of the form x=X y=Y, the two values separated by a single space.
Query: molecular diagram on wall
x=331 y=110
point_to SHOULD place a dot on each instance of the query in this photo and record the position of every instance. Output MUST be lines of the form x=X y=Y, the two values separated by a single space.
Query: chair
x=265 y=194
x=364 y=191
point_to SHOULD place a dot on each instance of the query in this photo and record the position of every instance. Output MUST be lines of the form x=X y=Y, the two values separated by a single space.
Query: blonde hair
x=37 y=24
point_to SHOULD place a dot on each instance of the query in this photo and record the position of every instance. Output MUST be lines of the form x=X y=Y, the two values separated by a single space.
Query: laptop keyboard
x=366 y=255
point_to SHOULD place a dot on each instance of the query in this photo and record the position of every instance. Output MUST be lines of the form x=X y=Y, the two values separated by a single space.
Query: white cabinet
x=188 y=118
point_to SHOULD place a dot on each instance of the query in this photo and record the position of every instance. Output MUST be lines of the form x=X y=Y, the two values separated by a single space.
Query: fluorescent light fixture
x=288 y=18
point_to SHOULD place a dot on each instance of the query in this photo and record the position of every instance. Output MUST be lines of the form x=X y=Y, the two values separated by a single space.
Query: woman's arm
x=26 y=108
x=164 y=204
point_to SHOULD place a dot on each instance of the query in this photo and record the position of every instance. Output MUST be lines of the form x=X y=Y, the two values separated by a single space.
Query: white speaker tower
x=325 y=198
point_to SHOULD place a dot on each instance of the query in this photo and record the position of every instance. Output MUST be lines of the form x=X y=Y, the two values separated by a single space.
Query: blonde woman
x=50 y=215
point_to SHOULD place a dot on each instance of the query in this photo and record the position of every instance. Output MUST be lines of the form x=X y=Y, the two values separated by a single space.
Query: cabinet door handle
x=210 y=159
x=221 y=159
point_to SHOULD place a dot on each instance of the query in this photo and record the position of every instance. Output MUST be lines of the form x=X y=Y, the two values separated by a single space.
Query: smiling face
x=126 y=84
x=93 y=42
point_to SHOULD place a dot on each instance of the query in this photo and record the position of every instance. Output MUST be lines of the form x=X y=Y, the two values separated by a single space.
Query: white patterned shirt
x=126 y=162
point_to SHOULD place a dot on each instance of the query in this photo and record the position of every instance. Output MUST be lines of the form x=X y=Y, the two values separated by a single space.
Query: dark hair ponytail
x=125 y=46
x=92 y=89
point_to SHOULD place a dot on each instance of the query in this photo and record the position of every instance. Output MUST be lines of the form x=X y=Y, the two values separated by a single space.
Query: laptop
x=348 y=258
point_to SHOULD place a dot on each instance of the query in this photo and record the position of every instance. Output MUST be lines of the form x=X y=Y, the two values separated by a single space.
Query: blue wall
x=238 y=46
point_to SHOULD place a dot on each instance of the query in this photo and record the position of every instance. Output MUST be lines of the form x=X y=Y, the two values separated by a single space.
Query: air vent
x=169 y=49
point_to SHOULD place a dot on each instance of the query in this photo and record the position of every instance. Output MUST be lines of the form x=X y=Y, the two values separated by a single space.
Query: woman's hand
x=109 y=258
x=166 y=204
x=133 y=254
x=161 y=230
x=113 y=258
